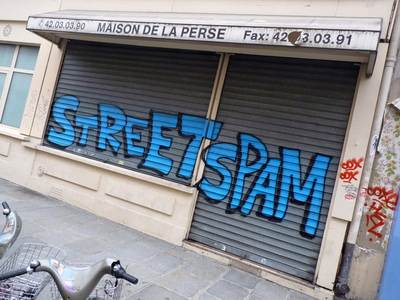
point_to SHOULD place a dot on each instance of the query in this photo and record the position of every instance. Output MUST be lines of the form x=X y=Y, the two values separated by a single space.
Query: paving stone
x=207 y=296
x=294 y=295
x=241 y=278
x=267 y=290
x=155 y=292
x=187 y=256
x=183 y=283
x=143 y=273
x=129 y=289
x=255 y=297
x=226 y=290
x=88 y=226
x=86 y=246
x=162 y=263
x=123 y=237
x=204 y=268
x=160 y=244
x=65 y=237
x=138 y=253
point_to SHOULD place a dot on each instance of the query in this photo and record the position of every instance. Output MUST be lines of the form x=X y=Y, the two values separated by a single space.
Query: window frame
x=9 y=71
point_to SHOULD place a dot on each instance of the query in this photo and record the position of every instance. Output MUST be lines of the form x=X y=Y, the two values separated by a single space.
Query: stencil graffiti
x=381 y=200
x=277 y=181
x=349 y=170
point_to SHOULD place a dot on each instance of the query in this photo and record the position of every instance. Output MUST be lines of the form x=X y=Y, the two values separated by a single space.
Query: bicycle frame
x=75 y=283
x=11 y=229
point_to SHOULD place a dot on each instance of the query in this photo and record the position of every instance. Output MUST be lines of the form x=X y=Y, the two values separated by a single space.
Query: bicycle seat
x=11 y=229
x=76 y=283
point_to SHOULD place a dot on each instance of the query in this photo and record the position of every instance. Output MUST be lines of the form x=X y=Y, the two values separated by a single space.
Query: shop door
x=269 y=177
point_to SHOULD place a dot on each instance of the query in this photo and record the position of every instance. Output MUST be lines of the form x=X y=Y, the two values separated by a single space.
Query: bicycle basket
x=28 y=286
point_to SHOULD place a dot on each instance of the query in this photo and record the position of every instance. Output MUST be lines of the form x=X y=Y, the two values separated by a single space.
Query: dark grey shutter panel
x=139 y=80
x=292 y=103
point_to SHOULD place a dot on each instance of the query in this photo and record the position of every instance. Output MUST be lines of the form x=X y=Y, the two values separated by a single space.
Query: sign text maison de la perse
x=314 y=38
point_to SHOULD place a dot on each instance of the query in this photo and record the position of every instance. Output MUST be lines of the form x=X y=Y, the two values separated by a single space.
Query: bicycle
x=78 y=283
x=72 y=283
x=21 y=288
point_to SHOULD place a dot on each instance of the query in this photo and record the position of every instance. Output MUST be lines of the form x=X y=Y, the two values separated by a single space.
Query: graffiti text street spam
x=276 y=181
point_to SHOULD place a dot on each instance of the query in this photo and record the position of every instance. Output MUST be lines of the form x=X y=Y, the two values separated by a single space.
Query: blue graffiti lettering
x=154 y=160
x=313 y=186
x=215 y=153
x=130 y=136
x=239 y=174
x=86 y=123
x=197 y=128
x=247 y=143
x=66 y=137
x=264 y=187
x=112 y=120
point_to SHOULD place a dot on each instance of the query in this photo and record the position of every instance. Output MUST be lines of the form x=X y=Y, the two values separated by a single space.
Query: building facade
x=250 y=130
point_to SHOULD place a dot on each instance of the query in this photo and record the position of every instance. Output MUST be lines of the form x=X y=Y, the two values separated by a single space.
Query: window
x=16 y=69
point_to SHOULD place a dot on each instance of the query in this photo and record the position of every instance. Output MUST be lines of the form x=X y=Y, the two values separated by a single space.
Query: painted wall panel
x=161 y=204
x=72 y=173
x=4 y=148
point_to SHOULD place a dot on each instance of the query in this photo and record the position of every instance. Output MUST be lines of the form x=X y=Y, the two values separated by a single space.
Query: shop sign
x=300 y=37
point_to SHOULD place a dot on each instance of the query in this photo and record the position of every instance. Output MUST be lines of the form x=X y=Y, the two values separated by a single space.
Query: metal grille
x=140 y=81
x=287 y=104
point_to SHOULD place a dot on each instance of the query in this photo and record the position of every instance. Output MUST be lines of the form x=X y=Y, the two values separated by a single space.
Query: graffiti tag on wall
x=350 y=171
x=277 y=181
x=381 y=200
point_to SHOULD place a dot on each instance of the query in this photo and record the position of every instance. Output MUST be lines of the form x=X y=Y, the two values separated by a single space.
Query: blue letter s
x=66 y=137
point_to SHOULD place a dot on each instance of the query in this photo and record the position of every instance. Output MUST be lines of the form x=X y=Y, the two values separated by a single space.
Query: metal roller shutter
x=139 y=81
x=289 y=104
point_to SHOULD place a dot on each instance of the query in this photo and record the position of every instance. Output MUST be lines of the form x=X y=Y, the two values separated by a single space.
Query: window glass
x=27 y=57
x=6 y=55
x=16 y=99
x=2 y=79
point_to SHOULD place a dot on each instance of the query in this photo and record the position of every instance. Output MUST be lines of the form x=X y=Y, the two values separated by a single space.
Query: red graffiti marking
x=377 y=218
x=381 y=201
x=386 y=198
x=349 y=169
x=348 y=197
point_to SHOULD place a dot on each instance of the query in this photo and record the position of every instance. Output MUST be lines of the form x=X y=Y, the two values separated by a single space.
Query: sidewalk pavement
x=165 y=271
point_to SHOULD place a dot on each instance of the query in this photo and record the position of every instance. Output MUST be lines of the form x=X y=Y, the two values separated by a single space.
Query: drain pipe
x=341 y=287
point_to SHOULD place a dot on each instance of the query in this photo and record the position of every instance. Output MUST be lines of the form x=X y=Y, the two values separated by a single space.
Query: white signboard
x=312 y=38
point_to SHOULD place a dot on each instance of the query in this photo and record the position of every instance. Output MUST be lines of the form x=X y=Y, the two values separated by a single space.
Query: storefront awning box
x=332 y=33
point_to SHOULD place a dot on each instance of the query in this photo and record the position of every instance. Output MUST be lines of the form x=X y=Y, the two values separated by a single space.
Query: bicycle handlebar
x=119 y=272
x=13 y=273
x=6 y=208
